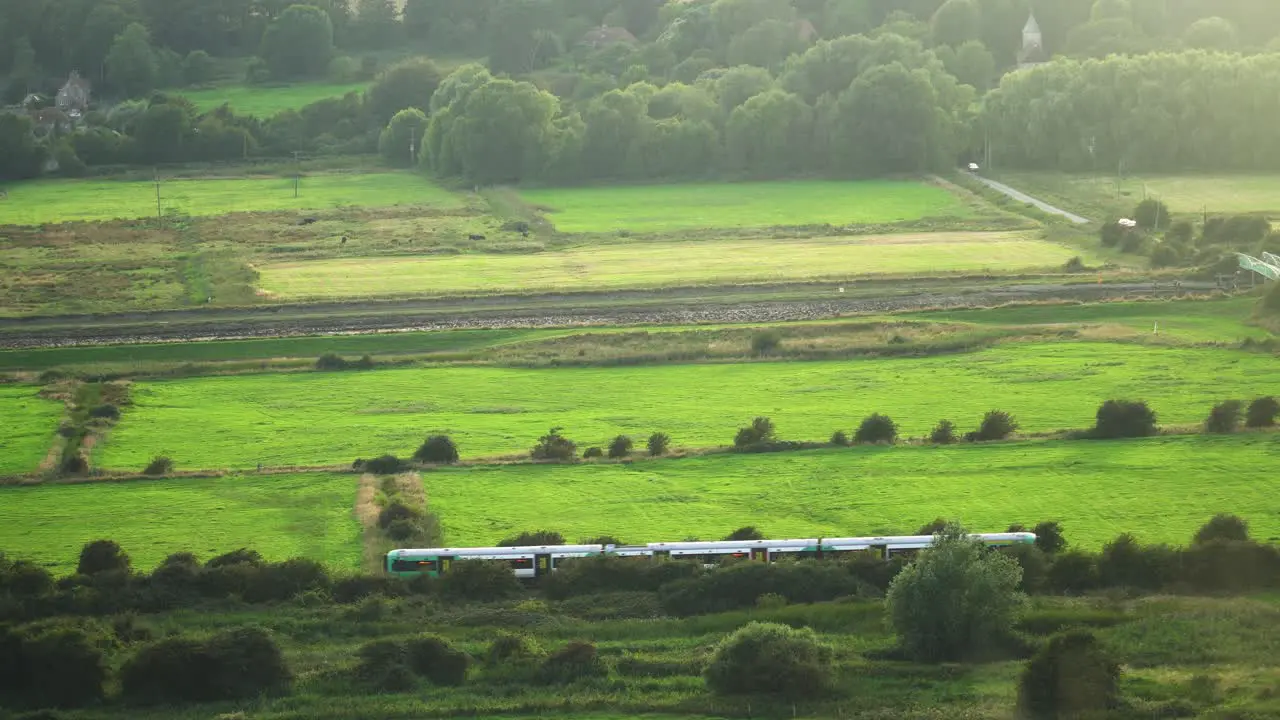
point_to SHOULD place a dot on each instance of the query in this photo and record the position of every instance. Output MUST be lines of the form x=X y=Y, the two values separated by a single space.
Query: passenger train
x=536 y=561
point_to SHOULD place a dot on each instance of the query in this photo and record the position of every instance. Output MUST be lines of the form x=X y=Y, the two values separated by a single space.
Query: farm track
x=760 y=304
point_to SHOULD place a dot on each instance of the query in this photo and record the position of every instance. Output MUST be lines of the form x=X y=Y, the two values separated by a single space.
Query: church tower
x=1032 y=52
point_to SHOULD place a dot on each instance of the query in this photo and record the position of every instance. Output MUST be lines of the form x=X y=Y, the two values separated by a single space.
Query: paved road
x=1025 y=198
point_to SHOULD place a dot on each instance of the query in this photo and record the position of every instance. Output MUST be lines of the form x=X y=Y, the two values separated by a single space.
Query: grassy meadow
x=281 y=516
x=1100 y=196
x=264 y=101
x=658 y=264
x=326 y=419
x=665 y=208
x=27 y=425
x=1097 y=489
x=54 y=201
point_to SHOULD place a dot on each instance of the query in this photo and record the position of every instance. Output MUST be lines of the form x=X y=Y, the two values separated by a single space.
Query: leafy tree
x=1152 y=214
x=1224 y=417
x=102 y=556
x=658 y=443
x=620 y=447
x=767 y=45
x=773 y=659
x=401 y=141
x=1049 y=537
x=198 y=68
x=996 y=425
x=1223 y=527
x=877 y=428
x=104 y=23
x=376 y=24
x=536 y=538
x=159 y=465
x=846 y=17
x=1111 y=9
x=944 y=433
x=971 y=64
x=956 y=22
x=731 y=18
x=299 y=43
x=769 y=135
x=887 y=121
x=554 y=446
x=437 y=449
x=521 y=39
x=933 y=528
x=765 y=342
x=1262 y=412
x=1069 y=677
x=1212 y=33
x=760 y=430
x=592 y=452
x=956 y=601
x=21 y=157
x=839 y=438
x=744 y=534
x=1125 y=419
x=131 y=63
x=409 y=84
x=739 y=84
x=503 y=132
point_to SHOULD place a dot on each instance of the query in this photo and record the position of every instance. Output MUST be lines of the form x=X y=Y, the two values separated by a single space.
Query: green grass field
x=658 y=264
x=1097 y=489
x=1099 y=196
x=664 y=208
x=53 y=201
x=27 y=425
x=264 y=101
x=318 y=418
x=281 y=516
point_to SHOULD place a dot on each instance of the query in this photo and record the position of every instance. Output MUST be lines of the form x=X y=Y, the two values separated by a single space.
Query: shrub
x=1124 y=419
x=235 y=664
x=620 y=447
x=745 y=533
x=385 y=465
x=658 y=444
x=554 y=446
x=944 y=433
x=50 y=666
x=511 y=647
x=1049 y=537
x=401 y=530
x=533 y=539
x=740 y=585
x=1223 y=527
x=330 y=361
x=765 y=342
x=956 y=600
x=1034 y=564
x=996 y=425
x=761 y=430
x=384 y=665
x=107 y=412
x=1262 y=412
x=1224 y=417
x=839 y=438
x=592 y=452
x=397 y=511
x=575 y=661
x=1069 y=677
x=159 y=465
x=933 y=528
x=1073 y=572
x=1126 y=563
x=1270 y=303
x=102 y=556
x=437 y=449
x=1074 y=265
x=602 y=574
x=479 y=580
x=243 y=556
x=1152 y=214
x=437 y=660
x=24 y=578
x=877 y=428
x=285 y=580
x=74 y=464
x=773 y=659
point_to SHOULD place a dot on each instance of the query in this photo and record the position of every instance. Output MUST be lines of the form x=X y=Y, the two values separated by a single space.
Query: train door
x=445 y=564
x=760 y=554
x=661 y=555
x=881 y=551
x=541 y=564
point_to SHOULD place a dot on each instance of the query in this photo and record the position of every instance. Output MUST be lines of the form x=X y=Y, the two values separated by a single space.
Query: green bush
x=606 y=573
x=575 y=661
x=159 y=465
x=761 y=430
x=768 y=658
x=437 y=449
x=620 y=447
x=740 y=585
x=1152 y=214
x=397 y=511
x=23 y=578
x=592 y=452
x=876 y=428
x=1223 y=527
x=839 y=438
x=748 y=532
x=658 y=444
x=1262 y=412
x=1034 y=564
x=286 y=580
x=243 y=556
x=1124 y=419
x=1049 y=537
x=385 y=465
x=1124 y=562
x=513 y=648
x=1073 y=572
x=479 y=580
x=330 y=361
x=554 y=446
x=102 y=556
x=384 y=665
x=1070 y=677
x=996 y=425
x=933 y=528
x=1270 y=303
x=106 y=412
x=765 y=342
x=1224 y=417
x=944 y=433
x=401 y=530
x=537 y=538
x=956 y=601
x=50 y=666
x=437 y=660
x=235 y=664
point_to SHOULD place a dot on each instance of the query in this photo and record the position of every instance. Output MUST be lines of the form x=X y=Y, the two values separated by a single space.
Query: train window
x=402 y=565
x=521 y=564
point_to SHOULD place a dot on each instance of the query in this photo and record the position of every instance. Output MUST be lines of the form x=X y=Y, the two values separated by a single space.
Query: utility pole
x=413 y=152
x=297 y=171
x=159 y=212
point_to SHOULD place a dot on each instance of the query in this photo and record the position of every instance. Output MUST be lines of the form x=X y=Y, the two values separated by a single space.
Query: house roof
x=606 y=35
x=1032 y=26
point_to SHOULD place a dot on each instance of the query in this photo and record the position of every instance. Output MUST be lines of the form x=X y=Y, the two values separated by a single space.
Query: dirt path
x=1025 y=198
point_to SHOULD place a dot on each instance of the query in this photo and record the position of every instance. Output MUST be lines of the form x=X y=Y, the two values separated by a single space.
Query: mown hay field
x=264 y=101
x=334 y=418
x=27 y=427
x=664 y=208
x=281 y=516
x=665 y=264
x=1160 y=489
x=54 y=201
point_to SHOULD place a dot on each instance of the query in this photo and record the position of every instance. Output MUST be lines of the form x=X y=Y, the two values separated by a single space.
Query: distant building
x=73 y=97
x=1033 y=52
